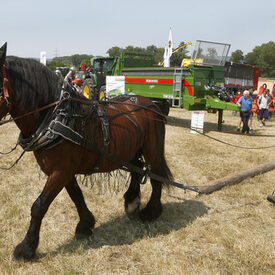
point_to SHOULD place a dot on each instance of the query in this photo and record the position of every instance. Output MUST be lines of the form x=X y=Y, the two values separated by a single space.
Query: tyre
x=88 y=89
x=102 y=93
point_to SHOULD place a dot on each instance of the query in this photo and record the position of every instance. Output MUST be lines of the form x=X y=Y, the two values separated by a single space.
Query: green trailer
x=195 y=87
x=192 y=88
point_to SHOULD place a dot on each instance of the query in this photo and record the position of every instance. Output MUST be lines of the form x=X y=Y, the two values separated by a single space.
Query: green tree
x=237 y=56
x=151 y=50
x=179 y=54
x=114 y=51
x=263 y=57
x=212 y=53
x=53 y=64
x=78 y=58
x=158 y=57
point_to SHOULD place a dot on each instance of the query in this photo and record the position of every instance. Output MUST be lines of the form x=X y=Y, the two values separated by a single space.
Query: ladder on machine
x=177 y=88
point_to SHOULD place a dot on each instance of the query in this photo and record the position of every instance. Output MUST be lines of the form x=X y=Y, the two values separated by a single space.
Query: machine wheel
x=88 y=89
x=102 y=93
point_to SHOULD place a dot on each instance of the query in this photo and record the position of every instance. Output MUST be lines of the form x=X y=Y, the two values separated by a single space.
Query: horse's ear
x=3 y=52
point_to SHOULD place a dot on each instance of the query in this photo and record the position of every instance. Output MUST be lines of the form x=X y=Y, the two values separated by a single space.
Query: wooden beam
x=237 y=178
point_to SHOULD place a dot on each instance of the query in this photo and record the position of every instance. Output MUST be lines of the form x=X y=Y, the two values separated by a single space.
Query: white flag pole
x=43 y=58
x=168 y=50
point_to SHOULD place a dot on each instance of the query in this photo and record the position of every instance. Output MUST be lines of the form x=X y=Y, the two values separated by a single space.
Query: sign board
x=197 y=122
x=115 y=85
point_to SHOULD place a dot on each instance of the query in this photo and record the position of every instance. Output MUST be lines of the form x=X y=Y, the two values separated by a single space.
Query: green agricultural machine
x=94 y=87
x=197 y=85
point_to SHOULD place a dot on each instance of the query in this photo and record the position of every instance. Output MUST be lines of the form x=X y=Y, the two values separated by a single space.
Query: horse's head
x=4 y=108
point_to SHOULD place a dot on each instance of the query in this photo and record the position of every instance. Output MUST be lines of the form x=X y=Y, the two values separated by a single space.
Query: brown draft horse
x=32 y=85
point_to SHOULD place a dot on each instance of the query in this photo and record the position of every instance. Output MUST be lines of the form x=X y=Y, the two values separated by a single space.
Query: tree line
x=261 y=56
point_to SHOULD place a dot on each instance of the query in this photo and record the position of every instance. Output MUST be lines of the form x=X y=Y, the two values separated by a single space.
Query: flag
x=43 y=58
x=168 y=50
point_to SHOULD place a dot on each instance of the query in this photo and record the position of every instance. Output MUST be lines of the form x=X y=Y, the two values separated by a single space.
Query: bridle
x=4 y=94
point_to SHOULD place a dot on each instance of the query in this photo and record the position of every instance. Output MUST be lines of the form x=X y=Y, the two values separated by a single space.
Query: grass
x=228 y=232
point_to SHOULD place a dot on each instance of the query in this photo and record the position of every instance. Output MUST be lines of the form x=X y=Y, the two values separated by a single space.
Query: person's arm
x=258 y=102
x=268 y=102
x=239 y=102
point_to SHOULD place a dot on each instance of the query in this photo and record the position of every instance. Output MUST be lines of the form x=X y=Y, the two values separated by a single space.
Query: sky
x=69 y=27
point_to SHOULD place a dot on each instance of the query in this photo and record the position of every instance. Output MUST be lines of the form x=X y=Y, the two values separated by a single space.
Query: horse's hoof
x=132 y=209
x=134 y=214
x=83 y=236
x=23 y=252
x=149 y=214
x=82 y=232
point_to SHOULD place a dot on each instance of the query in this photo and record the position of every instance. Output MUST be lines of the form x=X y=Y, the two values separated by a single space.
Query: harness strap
x=120 y=114
x=69 y=134
x=5 y=89
x=106 y=135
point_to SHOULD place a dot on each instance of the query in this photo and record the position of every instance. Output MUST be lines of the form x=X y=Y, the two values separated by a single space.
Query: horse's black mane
x=35 y=85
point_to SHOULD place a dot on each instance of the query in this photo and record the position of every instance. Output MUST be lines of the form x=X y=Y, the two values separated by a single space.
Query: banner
x=43 y=58
x=197 y=122
x=115 y=85
x=168 y=50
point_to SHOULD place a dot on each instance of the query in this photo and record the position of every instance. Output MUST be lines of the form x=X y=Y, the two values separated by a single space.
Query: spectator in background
x=268 y=94
x=251 y=90
x=263 y=103
x=273 y=91
x=245 y=103
x=262 y=88
x=239 y=94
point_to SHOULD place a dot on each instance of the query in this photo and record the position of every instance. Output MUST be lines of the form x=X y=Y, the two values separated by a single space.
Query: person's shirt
x=246 y=103
x=263 y=101
x=261 y=90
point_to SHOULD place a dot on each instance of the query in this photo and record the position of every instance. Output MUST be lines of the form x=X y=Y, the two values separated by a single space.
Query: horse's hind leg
x=87 y=220
x=153 y=208
x=132 y=195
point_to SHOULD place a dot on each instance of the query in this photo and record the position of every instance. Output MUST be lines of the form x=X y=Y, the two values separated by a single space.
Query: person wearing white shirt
x=263 y=103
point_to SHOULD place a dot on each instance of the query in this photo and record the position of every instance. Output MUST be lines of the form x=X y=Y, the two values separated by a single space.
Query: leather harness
x=57 y=126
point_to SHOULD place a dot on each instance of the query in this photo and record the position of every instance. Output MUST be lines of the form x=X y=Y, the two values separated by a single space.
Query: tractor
x=94 y=86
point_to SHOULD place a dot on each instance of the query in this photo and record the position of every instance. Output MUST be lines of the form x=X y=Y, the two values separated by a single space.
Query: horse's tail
x=166 y=170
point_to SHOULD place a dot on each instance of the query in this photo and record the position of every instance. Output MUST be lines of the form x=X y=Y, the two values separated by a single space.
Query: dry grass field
x=231 y=231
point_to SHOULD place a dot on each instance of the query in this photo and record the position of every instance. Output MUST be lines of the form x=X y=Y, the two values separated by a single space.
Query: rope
x=8 y=168
x=6 y=153
x=234 y=145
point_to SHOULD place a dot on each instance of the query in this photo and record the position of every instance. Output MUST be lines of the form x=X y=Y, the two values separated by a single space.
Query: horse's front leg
x=87 y=220
x=56 y=181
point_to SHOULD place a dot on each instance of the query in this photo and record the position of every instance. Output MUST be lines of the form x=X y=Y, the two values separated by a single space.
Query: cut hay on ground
x=231 y=231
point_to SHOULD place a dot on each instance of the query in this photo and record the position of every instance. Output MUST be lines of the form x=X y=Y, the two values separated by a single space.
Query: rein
x=32 y=112
x=77 y=100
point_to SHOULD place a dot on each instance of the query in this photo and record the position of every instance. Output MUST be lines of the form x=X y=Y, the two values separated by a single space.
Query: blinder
x=4 y=92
